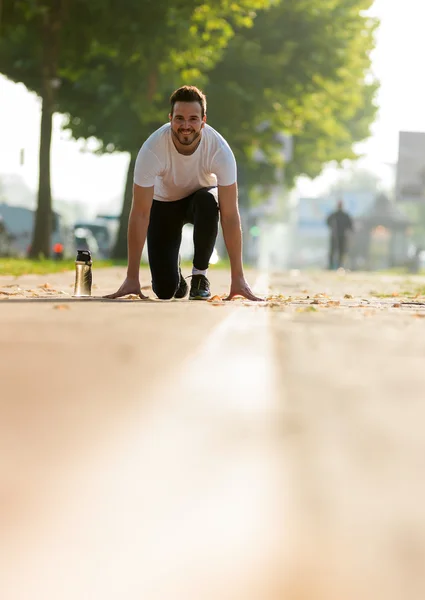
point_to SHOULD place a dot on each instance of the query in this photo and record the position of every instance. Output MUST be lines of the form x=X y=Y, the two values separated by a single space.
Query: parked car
x=5 y=239
x=85 y=240
x=99 y=230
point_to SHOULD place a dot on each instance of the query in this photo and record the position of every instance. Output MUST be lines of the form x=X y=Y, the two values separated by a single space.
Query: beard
x=186 y=139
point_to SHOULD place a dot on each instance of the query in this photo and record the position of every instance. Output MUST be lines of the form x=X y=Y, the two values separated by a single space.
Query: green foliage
x=109 y=64
x=119 y=98
x=293 y=66
x=300 y=69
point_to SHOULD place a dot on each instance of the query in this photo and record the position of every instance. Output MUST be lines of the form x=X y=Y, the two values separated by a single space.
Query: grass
x=26 y=266
x=15 y=267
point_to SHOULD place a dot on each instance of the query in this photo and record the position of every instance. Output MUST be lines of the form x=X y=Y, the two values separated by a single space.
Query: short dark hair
x=189 y=93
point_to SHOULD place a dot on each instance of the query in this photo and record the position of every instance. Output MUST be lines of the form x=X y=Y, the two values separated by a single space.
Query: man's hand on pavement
x=130 y=286
x=240 y=287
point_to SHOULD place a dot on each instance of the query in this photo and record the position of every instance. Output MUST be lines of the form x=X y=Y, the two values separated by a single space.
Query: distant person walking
x=340 y=224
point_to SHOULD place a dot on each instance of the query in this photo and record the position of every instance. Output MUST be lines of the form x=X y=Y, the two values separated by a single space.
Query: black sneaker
x=199 y=288
x=182 y=289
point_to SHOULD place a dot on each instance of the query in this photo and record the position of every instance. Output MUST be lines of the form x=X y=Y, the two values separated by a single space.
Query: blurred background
x=316 y=100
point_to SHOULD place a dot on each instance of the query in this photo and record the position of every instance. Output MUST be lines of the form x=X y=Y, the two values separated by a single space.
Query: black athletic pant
x=165 y=236
x=337 y=251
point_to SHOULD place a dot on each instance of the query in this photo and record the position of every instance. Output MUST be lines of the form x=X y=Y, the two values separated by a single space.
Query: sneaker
x=182 y=289
x=199 y=288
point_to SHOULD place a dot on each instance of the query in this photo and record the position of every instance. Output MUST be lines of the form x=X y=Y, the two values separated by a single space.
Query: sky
x=98 y=181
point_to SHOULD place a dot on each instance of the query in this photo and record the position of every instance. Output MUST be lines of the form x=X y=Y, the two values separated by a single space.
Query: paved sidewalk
x=184 y=450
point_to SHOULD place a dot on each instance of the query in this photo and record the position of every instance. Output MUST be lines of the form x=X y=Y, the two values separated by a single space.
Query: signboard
x=410 y=185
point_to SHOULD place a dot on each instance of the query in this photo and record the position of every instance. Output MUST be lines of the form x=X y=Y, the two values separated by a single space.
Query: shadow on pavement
x=62 y=300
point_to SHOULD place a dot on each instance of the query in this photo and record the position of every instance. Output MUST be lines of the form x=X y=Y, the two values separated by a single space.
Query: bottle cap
x=83 y=256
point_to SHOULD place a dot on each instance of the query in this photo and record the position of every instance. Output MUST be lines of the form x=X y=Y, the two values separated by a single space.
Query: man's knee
x=165 y=290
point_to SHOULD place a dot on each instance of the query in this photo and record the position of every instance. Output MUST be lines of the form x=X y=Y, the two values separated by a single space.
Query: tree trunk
x=50 y=30
x=120 y=250
x=42 y=232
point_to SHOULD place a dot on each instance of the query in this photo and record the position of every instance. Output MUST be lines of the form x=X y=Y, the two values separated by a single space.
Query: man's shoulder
x=214 y=135
x=159 y=138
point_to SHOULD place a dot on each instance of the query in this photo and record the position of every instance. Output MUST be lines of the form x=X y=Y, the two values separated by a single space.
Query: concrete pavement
x=179 y=450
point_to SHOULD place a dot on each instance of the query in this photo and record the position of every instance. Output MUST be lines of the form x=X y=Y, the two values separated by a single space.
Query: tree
x=120 y=101
x=301 y=70
x=41 y=40
x=53 y=46
x=355 y=179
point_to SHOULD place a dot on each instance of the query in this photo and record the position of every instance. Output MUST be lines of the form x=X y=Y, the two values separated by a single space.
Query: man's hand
x=130 y=286
x=240 y=287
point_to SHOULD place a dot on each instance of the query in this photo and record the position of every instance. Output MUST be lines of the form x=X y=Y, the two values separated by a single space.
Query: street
x=176 y=450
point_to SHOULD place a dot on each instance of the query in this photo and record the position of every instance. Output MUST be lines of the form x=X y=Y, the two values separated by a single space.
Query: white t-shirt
x=174 y=175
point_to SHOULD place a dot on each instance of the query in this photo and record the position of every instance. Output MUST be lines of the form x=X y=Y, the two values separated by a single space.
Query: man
x=339 y=223
x=185 y=172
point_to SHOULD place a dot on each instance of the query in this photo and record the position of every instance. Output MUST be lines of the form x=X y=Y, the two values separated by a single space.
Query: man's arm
x=232 y=233
x=137 y=230
x=138 y=227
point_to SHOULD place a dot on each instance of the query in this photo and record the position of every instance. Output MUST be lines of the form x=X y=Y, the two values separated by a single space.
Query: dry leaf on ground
x=61 y=307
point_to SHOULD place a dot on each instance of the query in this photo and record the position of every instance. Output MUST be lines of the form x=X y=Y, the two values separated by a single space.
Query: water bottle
x=83 y=273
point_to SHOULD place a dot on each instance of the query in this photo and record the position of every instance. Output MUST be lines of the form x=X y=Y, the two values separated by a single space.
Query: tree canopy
x=107 y=64
x=299 y=67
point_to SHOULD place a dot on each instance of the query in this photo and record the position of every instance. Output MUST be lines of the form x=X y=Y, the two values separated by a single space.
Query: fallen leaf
x=397 y=305
x=61 y=307
x=215 y=299
x=348 y=296
x=45 y=286
x=419 y=315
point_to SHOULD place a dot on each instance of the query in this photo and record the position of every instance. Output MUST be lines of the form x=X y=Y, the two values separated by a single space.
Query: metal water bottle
x=83 y=273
